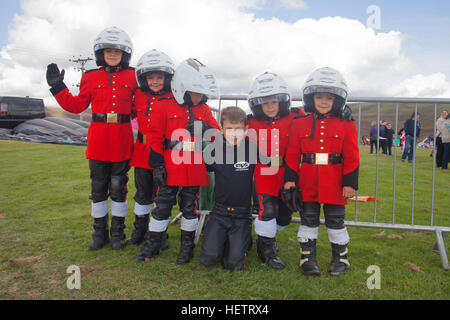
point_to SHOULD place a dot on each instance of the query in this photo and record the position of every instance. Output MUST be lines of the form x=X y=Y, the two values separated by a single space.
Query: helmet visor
x=316 y=89
x=281 y=97
x=154 y=69
x=123 y=48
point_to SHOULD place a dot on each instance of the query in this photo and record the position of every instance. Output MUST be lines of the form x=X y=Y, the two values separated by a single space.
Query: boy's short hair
x=233 y=115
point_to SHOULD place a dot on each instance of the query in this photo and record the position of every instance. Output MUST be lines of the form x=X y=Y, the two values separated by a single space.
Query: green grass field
x=45 y=227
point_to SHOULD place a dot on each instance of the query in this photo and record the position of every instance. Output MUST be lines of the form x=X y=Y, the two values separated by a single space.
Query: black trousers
x=334 y=215
x=389 y=147
x=439 y=151
x=108 y=179
x=143 y=180
x=166 y=198
x=372 y=144
x=273 y=207
x=226 y=239
x=383 y=145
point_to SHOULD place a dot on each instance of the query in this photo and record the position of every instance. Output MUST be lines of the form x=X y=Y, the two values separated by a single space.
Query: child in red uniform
x=176 y=157
x=328 y=147
x=269 y=100
x=154 y=72
x=110 y=91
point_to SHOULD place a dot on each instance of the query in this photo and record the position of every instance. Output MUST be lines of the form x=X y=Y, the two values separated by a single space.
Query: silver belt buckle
x=188 y=145
x=321 y=159
x=111 y=117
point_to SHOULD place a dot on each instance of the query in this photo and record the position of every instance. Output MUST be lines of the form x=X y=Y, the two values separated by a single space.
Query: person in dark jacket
x=411 y=135
x=382 y=136
x=389 y=137
x=373 y=136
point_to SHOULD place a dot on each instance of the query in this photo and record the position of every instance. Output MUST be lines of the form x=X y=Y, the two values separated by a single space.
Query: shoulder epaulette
x=301 y=116
x=131 y=68
x=91 y=70
x=165 y=98
x=250 y=116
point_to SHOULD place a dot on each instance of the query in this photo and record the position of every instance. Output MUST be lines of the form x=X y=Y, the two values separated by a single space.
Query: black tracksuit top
x=233 y=178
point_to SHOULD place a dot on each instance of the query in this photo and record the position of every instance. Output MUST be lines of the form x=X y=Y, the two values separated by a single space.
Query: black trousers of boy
x=227 y=237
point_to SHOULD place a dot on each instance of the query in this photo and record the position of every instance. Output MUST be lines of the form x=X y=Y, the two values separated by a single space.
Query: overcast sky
x=404 y=53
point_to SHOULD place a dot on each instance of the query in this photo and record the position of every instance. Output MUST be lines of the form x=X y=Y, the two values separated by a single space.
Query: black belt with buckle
x=182 y=145
x=241 y=212
x=322 y=158
x=142 y=138
x=111 y=117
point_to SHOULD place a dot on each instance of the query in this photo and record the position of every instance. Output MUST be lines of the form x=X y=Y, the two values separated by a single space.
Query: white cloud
x=231 y=41
x=434 y=85
x=294 y=4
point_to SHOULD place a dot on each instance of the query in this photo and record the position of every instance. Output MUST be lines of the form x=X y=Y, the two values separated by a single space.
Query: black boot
x=187 y=247
x=165 y=241
x=117 y=233
x=308 y=261
x=140 y=228
x=100 y=235
x=152 y=245
x=267 y=251
x=339 y=262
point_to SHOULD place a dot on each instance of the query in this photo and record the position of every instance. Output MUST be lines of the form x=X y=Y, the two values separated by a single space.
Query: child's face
x=196 y=97
x=155 y=81
x=270 y=107
x=112 y=56
x=234 y=133
x=323 y=102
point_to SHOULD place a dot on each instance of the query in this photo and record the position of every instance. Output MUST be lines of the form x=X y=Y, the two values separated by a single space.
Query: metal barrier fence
x=440 y=231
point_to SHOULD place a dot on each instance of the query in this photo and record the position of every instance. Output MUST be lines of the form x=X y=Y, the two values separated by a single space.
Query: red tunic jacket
x=271 y=138
x=107 y=93
x=144 y=104
x=323 y=183
x=169 y=119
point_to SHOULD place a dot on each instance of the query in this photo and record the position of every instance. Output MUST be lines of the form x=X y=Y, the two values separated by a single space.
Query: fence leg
x=198 y=232
x=440 y=247
x=178 y=217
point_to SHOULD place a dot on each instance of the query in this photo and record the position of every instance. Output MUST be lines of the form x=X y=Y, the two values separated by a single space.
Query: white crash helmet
x=154 y=61
x=193 y=76
x=325 y=80
x=114 y=38
x=269 y=85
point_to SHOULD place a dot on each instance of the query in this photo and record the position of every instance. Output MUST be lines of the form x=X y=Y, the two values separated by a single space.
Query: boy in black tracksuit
x=227 y=235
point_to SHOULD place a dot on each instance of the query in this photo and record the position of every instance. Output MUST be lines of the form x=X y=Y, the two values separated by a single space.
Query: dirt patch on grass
x=87 y=270
x=20 y=261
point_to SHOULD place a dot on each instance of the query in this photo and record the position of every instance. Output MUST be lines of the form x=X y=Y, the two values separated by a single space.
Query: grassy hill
x=369 y=112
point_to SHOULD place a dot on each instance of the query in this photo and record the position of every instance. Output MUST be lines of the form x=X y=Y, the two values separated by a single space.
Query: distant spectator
x=443 y=126
x=373 y=136
x=382 y=136
x=389 y=137
x=410 y=138
x=439 y=145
